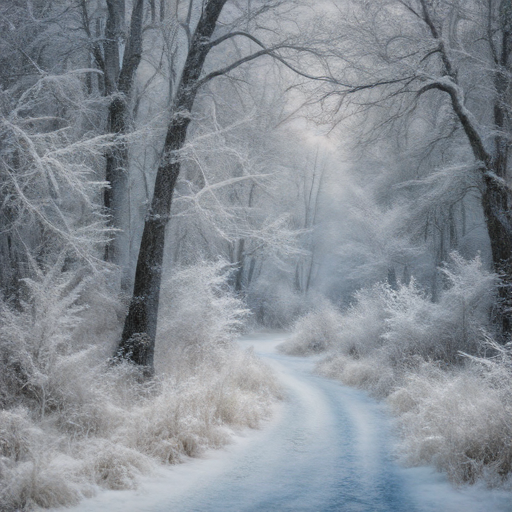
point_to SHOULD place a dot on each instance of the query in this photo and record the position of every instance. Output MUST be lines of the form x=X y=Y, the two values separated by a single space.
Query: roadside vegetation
x=73 y=423
x=444 y=378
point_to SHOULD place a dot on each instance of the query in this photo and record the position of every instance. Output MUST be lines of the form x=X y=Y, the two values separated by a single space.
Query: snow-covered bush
x=275 y=304
x=400 y=328
x=199 y=315
x=356 y=331
x=71 y=423
x=415 y=326
x=314 y=332
x=37 y=338
x=458 y=420
x=446 y=381
x=372 y=373
x=362 y=323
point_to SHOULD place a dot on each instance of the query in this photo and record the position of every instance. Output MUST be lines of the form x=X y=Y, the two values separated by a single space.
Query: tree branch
x=464 y=116
x=235 y=34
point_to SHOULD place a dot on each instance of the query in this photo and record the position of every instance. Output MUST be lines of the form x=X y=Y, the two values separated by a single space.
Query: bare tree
x=117 y=55
x=141 y=320
x=50 y=149
x=459 y=50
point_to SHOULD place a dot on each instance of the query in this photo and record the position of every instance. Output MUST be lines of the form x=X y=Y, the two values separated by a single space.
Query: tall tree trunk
x=240 y=254
x=141 y=320
x=497 y=204
x=250 y=274
x=115 y=197
x=118 y=75
x=239 y=269
x=496 y=194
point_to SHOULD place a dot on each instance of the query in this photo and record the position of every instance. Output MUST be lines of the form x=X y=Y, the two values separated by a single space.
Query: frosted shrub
x=362 y=324
x=418 y=327
x=37 y=338
x=371 y=373
x=199 y=315
x=410 y=327
x=470 y=293
x=460 y=421
x=275 y=304
x=453 y=408
x=356 y=354
x=404 y=326
x=398 y=329
x=30 y=474
x=314 y=332
x=356 y=331
x=72 y=424
x=191 y=411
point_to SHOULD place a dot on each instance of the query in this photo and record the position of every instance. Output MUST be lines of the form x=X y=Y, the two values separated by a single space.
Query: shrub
x=314 y=332
x=458 y=420
x=446 y=381
x=73 y=424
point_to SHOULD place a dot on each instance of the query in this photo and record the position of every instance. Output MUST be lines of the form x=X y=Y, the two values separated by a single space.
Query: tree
x=117 y=55
x=416 y=48
x=47 y=176
x=50 y=149
x=141 y=320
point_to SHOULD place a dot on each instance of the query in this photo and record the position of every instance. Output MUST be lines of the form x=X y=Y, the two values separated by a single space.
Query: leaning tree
x=139 y=333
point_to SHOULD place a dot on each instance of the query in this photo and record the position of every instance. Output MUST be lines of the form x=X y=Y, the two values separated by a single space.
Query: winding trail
x=327 y=449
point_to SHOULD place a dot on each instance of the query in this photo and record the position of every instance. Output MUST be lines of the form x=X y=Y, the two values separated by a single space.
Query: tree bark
x=115 y=197
x=496 y=198
x=239 y=268
x=496 y=194
x=117 y=81
x=496 y=204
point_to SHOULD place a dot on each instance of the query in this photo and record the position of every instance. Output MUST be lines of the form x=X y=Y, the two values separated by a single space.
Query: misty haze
x=256 y=255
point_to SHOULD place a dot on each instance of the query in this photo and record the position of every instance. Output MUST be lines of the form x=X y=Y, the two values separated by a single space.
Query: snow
x=327 y=448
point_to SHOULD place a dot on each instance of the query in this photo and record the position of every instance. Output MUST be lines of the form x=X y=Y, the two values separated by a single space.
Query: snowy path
x=327 y=449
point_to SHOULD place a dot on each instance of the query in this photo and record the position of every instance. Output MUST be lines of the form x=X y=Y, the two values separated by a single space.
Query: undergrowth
x=447 y=382
x=71 y=424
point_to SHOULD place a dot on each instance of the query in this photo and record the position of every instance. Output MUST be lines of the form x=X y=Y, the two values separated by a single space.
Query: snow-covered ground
x=328 y=448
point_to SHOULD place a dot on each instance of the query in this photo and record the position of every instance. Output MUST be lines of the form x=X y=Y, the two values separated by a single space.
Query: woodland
x=174 y=173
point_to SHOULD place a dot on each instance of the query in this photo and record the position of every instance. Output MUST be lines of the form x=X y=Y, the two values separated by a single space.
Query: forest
x=175 y=173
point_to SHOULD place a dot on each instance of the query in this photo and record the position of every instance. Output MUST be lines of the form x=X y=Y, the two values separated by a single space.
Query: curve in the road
x=328 y=449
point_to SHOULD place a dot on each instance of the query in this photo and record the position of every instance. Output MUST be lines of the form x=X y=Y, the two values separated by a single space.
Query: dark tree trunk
x=392 y=281
x=297 y=281
x=143 y=310
x=115 y=174
x=117 y=80
x=141 y=319
x=497 y=203
x=496 y=194
x=239 y=269
x=115 y=197
x=250 y=274
x=240 y=255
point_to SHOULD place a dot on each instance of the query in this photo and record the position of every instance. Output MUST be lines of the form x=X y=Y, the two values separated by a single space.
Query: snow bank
x=72 y=424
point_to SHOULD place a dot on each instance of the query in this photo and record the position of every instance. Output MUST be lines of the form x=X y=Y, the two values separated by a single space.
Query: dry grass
x=453 y=411
x=72 y=424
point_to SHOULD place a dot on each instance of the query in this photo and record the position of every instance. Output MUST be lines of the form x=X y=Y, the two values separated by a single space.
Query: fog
x=176 y=173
